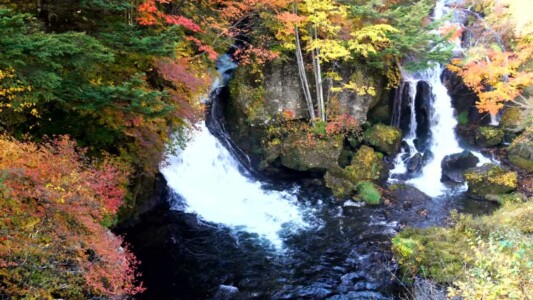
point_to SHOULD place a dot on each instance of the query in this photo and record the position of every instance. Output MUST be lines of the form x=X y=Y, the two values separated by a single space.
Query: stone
x=489 y=179
x=511 y=118
x=454 y=165
x=415 y=163
x=366 y=165
x=384 y=138
x=520 y=152
x=226 y=292
x=423 y=101
x=488 y=136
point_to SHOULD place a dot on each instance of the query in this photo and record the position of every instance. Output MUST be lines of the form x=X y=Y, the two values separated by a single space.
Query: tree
x=496 y=64
x=54 y=204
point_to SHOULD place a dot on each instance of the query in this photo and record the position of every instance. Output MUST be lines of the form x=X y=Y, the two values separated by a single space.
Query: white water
x=442 y=124
x=207 y=176
x=443 y=139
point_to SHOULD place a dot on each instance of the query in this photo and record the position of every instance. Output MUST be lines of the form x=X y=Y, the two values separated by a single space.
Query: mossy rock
x=489 y=179
x=339 y=182
x=487 y=136
x=511 y=118
x=366 y=165
x=520 y=152
x=368 y=192
x=298 y=154
x=384 y=138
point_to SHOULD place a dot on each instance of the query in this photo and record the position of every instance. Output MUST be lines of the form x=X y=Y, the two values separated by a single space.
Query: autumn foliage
x=54 y=204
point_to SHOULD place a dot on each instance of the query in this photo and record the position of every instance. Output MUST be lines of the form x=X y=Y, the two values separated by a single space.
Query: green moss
x=244 y=86
x=368 y=192
x=462 y=118
x=490 y=179
x=487 y=136
x=384 y=138
x=365 y=166
x=520 y=152
x=511 y=118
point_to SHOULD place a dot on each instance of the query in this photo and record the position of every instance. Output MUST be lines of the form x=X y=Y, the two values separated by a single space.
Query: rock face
x=487 y=136
x=454 y=165
x=259 y=98
x=252 y=100
x=489 y=179
x=366 y=165
x=384 y=138
x=463 y=99
x=296 y=153
x=423 y=106
x=520 y=152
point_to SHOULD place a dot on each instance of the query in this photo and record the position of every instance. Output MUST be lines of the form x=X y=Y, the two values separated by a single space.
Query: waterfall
x=215 y=186
x=443 y=140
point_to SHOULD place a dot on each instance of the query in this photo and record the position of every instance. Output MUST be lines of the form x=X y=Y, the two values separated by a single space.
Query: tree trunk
x=318 y=81
x=301 y=71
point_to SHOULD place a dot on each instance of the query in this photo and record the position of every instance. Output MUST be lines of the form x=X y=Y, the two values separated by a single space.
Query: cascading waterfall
x=208 y=177
x=443 y=140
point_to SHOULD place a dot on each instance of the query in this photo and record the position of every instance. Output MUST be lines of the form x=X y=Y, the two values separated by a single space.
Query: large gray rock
x=454 y=165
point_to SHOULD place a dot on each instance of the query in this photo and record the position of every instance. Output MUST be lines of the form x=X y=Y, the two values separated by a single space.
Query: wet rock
x=297 y=155
x=315 y=291
x=427 y=157
x=489 y=179
x=453 y=166
x=487 y=136
x=363 y=295
x=423 y=108
x=520 y=152
x=415 y=163
x=401 y=101
x=226 y=292
x=384 y=138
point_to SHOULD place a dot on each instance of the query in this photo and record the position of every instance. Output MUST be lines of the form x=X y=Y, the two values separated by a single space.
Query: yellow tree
x=497 y=65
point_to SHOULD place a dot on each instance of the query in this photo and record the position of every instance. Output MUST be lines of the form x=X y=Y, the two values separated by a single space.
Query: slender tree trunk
x=318 y=82
x=301 y=71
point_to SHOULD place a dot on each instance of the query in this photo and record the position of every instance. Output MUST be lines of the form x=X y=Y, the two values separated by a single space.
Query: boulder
x=453 y=166
x=415 y=163
x=384 y=138
x=489 y=179
x=366 y=165
x=520 y=152
x=488 y=136
x=339 y=182
x=297 y=154
x=511 y=118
